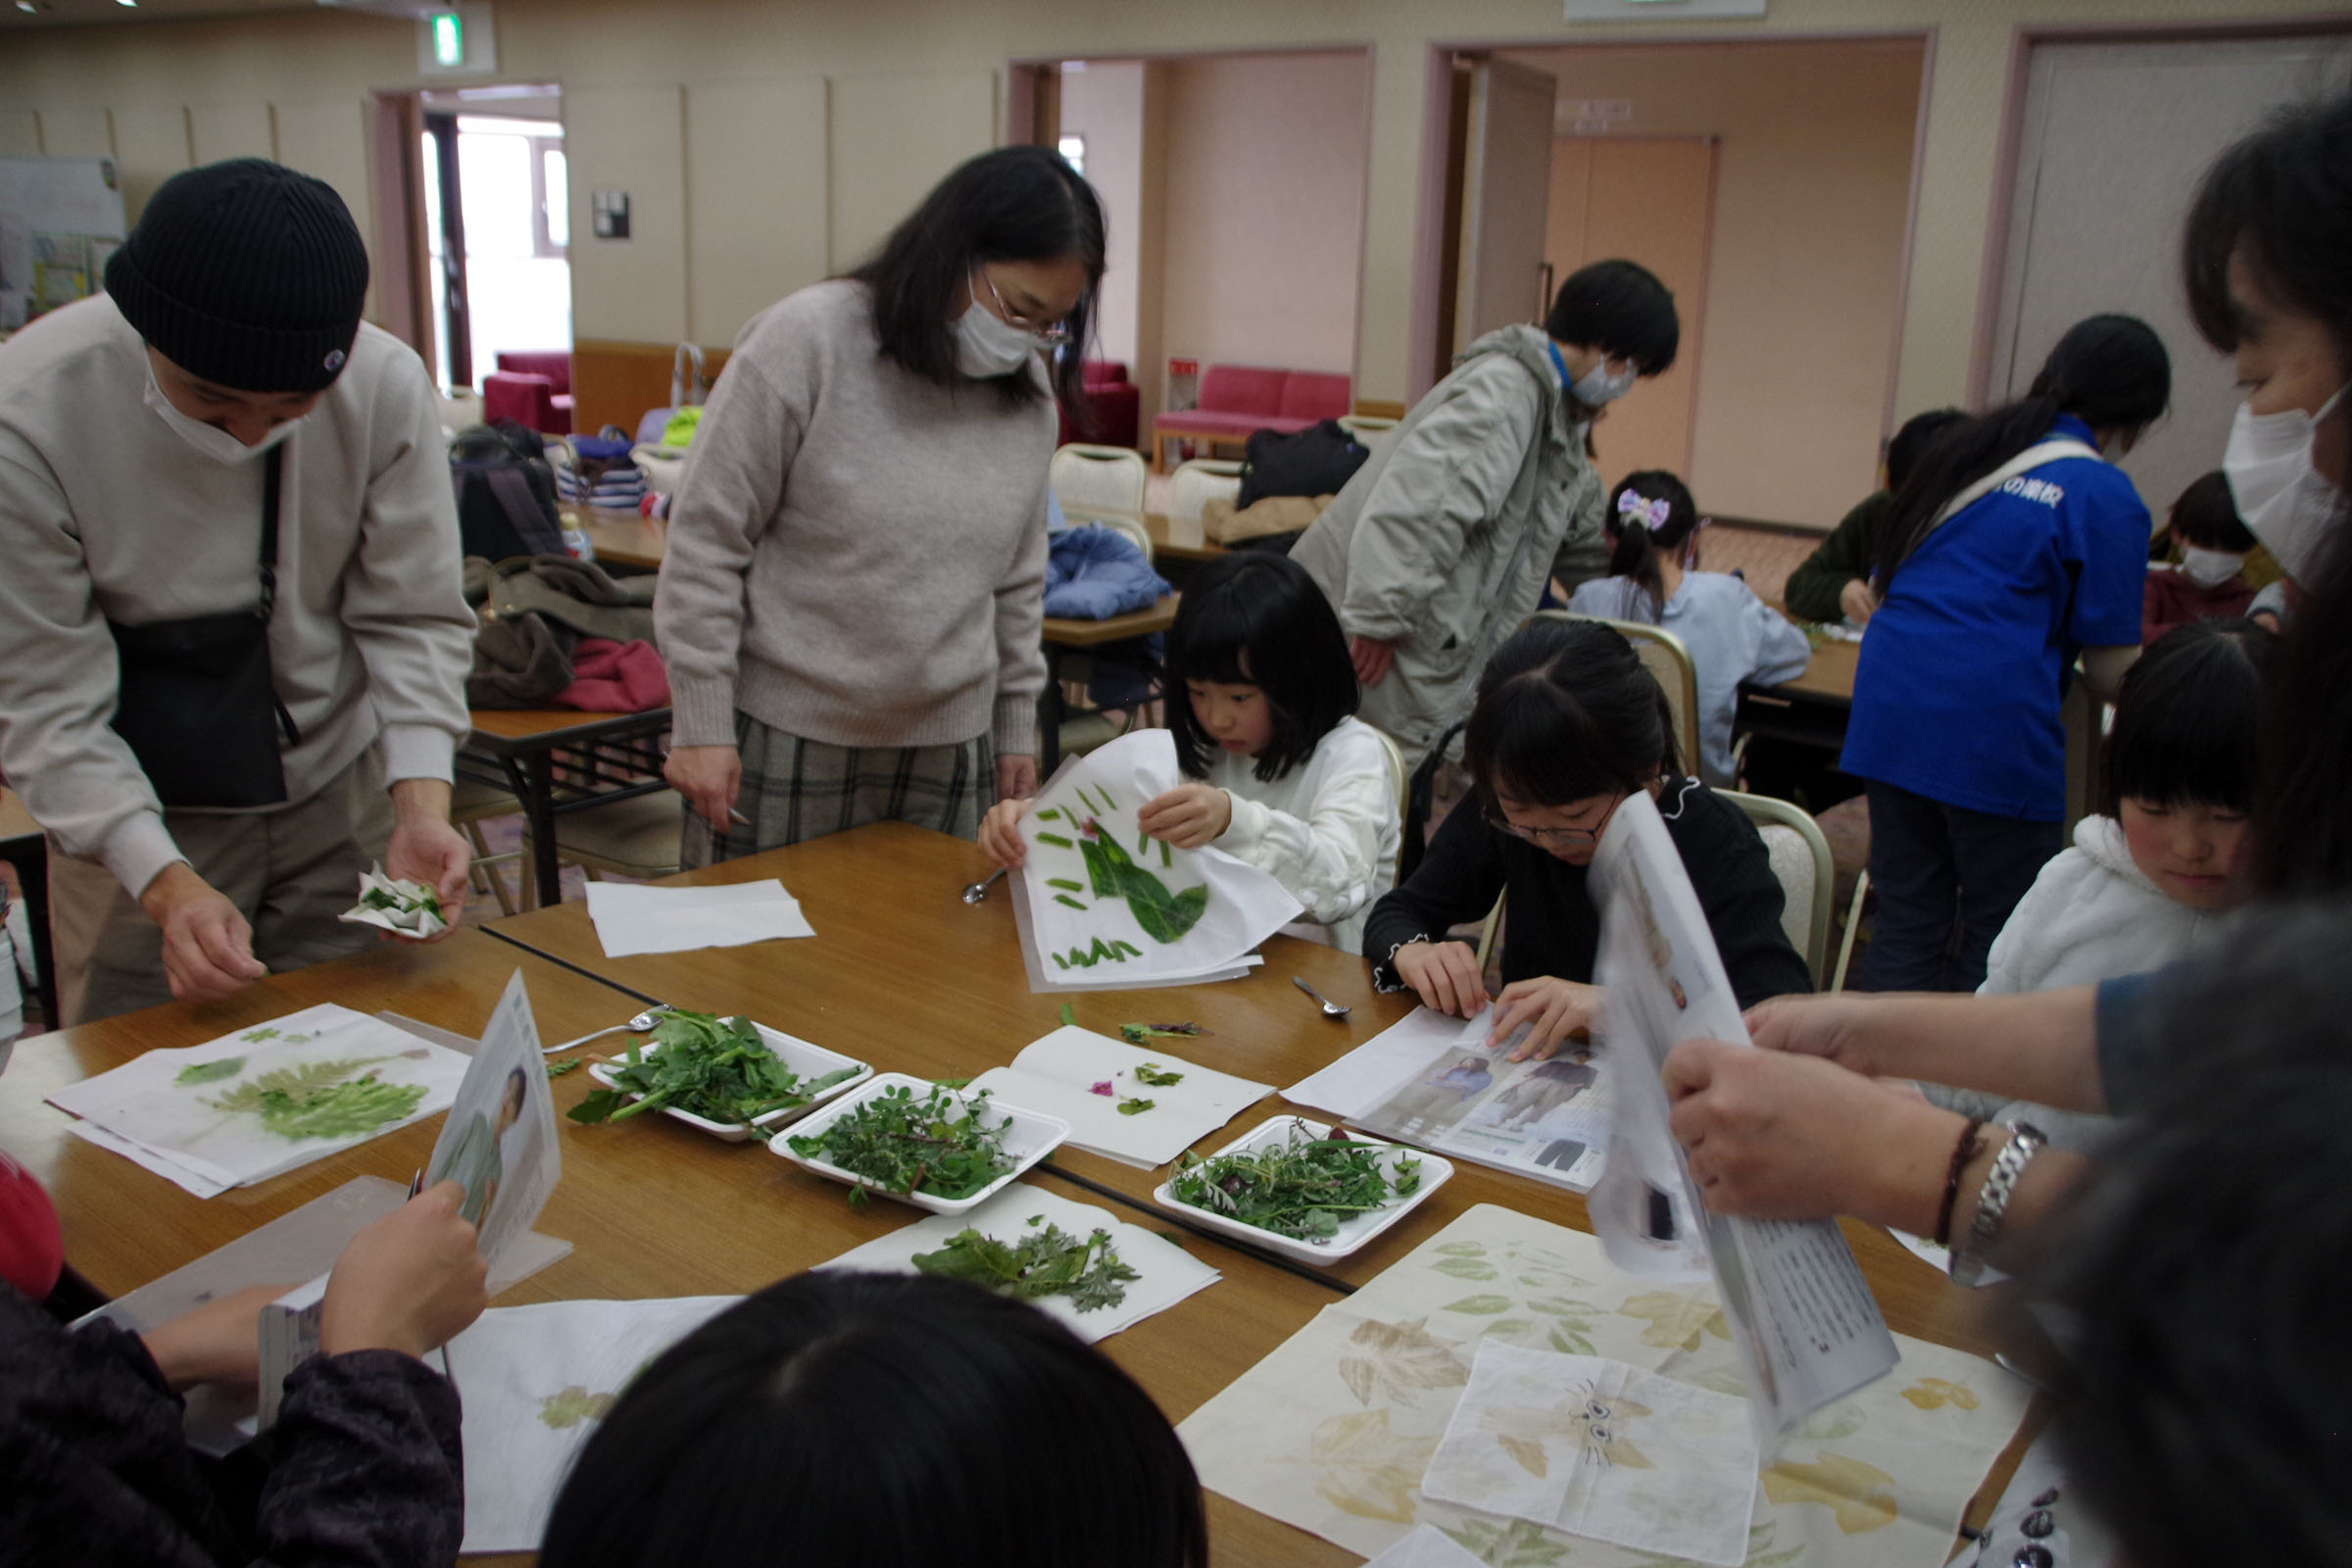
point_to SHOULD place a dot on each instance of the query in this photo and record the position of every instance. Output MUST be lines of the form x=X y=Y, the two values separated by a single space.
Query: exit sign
x=459 y=39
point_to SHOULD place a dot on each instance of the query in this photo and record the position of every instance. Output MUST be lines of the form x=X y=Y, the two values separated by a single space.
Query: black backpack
x=1317 y=460
x=505 y=493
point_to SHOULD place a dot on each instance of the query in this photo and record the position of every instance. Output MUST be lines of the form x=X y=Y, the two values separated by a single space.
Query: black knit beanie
x=247 y=274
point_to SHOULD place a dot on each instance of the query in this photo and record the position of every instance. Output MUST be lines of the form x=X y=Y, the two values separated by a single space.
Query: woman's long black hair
x=1016 y=203
x=2110 y=372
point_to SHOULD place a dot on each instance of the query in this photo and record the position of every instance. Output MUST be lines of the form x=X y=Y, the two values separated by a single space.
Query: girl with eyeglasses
x=1567 y=725
x=850 y=600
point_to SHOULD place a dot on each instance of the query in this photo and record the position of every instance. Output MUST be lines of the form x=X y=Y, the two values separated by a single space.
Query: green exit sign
x=449 y=39
x=457 y=38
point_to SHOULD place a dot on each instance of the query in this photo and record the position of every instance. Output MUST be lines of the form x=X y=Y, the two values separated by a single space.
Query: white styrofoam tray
x=1029 y=1136
x=808 y=1061
x=1353 y=1234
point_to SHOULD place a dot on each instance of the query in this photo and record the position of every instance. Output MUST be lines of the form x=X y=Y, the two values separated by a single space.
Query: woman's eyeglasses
x=1053 y=335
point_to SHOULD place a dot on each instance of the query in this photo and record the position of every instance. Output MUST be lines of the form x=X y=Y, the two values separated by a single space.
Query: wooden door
x=1505 y=188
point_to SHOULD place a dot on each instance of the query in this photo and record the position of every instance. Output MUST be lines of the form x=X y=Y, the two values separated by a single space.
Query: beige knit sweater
x=857 y=555
x=107 y=515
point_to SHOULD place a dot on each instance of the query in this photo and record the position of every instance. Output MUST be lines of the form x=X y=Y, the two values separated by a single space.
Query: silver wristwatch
x=1992 y=1200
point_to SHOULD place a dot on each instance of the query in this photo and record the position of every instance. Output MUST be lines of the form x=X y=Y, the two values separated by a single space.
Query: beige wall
x=68 y=74
x=1105 y=104
x=1804 y=271
x=1265 y=210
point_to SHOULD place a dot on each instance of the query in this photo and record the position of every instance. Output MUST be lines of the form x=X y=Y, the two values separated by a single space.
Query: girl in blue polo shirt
x=2014 y=548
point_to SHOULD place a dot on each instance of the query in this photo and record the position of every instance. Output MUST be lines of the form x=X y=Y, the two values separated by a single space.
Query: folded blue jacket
x=1094 y=573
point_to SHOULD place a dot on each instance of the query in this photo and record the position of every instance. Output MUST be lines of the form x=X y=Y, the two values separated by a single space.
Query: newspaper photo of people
x=1547 y=1119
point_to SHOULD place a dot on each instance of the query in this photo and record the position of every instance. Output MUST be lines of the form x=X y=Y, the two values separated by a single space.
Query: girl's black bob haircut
x=1016 y=203
x=1566 y=712
x=1621 y=309
x=1252 y=617
x=2205 y=514
x=2188 y=721
x=880 y=1421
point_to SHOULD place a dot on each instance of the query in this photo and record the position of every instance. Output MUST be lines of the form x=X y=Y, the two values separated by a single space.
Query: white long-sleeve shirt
x=107 y=515
x=1327 y=830
x=1732 y=637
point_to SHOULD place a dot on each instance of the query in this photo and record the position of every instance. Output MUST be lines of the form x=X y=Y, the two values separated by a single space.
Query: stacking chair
x=1197 y=482
x=1665 y=656
x=1800 y=860
x=1098 y=479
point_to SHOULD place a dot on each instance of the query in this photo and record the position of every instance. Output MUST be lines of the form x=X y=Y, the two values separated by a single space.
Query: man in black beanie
x=233 y=641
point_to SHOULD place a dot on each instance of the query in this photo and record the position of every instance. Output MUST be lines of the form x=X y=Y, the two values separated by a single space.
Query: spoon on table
x=979 y=889
x=1330 y=1009
x=636 y=1026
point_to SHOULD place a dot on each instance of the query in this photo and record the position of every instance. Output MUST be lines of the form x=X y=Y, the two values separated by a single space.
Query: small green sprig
x=1046 y=1262
x=1303 y=1187
x=1152 y=1075
x=1138 y=1033
x=1135 y=1108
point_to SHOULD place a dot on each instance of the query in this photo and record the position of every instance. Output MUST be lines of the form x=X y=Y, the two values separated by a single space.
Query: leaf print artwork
x=1677 y=1319
x=1365 y=1469
x=1509 y=1544
x=1594 y=1426
x=1401 y=1360
x=323 y=1100
x=1860 y=1495
x=1933 y=1393
x=1165 y=916
x=211 y=1072
x=568 y=1408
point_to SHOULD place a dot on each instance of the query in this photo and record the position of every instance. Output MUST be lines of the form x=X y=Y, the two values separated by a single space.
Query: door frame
x=2009 y=151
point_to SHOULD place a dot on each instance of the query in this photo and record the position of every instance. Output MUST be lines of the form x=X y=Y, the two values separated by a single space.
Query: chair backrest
x=1200 y=481
x=554 y=363
x=1668 y=661
x=1241 y=389
x=1103 y=372
x=1314 y=395
x=1119 y=521
x=2083 y=718
x=1800 y=860
x=1398 y=774
x=1100 y=478
x=526 y=399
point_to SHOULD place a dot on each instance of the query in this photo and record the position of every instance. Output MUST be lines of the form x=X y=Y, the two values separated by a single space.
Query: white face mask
x=1600 y=385
x=2210 y=569
x=987 y=345
x=2280 y=497
x=211 y=440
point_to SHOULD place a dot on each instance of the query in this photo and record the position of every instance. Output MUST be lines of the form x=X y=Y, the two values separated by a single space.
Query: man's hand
x=1556 y=1008
x=708 y=776
x=1444 y=975
x=1371 y=658
x=1188 y=817
x=425 y=848
x=1857 y=601
x=406 y=1283
x=208 y=948
x=1017 y=777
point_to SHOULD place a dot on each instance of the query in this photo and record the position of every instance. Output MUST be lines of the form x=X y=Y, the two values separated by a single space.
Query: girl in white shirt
x=1653 y=526
x=1278 y=771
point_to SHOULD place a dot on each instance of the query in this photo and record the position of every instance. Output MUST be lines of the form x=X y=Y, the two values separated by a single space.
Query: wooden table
x=25 y=848
x=559 y=760
x=1062 y=636
x=1180 y=537
x=626 y=541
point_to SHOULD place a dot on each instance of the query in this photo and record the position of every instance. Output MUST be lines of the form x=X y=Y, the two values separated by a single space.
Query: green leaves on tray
x=716 y=1068
x=1303 y=1188
x=938 y=1143
x=1046 y=1262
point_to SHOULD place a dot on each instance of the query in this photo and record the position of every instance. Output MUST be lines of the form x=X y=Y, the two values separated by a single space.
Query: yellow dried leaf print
x=1401 y=1361
x=1528 y=1456
x=1597 y=1425
x=1676 y=1320
x=1933 y=1393
x=1861 y=1495
x=1363 y=1468
x=571 y=1405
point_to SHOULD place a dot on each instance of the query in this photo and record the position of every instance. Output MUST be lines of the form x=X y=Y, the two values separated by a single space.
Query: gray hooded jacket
x=1442 y=542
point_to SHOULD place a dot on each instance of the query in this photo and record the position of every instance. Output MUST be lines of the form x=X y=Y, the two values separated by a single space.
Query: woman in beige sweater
x=850 y=600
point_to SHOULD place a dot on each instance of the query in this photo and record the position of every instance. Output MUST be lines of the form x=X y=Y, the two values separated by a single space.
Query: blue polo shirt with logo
x=1957 y=691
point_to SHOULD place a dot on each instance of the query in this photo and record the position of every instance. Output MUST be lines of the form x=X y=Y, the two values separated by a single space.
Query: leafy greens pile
x=1046 y=1262
x=1302 y=1187
x=716 y=1068
x=938 y=1144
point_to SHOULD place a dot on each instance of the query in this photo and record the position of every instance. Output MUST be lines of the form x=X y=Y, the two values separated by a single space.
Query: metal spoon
x=1330 y=1009
x=979 y=889
x=636 y=1026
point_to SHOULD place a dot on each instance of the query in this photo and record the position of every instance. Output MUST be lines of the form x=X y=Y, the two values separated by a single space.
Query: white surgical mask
x=1600 y=385
x=2210 y=569
x=2280 y=497
x=211 y=440
x=987 y=345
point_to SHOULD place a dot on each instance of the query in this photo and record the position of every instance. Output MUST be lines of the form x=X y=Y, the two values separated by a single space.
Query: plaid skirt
x=795 y=789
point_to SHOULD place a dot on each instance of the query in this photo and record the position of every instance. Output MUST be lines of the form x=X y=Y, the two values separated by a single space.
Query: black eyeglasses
x=1567 y=838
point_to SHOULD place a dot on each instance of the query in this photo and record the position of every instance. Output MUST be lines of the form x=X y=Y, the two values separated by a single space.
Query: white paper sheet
x=1169 y=1273
x=1083 y=1078
x=632 y=919
x=1091 y=878
x=170 y=1104
x=535 y=1381
x=1600 y=1449
x=1426 y=1548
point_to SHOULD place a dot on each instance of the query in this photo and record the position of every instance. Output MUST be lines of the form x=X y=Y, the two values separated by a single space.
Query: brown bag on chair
x=1222 y=522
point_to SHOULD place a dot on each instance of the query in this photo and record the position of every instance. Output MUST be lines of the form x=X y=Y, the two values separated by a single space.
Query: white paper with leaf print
x=1107 y=906
x=535 y=1381
x=1084 y=1077
x=1600 y=1449
x=257 y=1103
x=1334 y=1431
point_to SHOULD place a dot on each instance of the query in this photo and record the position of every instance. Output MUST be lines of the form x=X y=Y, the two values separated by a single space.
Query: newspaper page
x=1433 y=1081
x=500 y=1139
x=1805 y=1324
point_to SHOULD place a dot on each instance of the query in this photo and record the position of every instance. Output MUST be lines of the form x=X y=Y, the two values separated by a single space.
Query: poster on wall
x=59 y=220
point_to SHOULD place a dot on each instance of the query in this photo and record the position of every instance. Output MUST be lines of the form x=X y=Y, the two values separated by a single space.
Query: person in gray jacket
x=1441 y=544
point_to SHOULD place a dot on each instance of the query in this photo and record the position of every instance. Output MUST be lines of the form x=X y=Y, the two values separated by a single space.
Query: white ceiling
x=100 y=13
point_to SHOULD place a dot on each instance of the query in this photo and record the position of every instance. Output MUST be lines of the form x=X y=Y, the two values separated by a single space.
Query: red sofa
x=1112 y=405
x=1238 y=400
x=534 y=390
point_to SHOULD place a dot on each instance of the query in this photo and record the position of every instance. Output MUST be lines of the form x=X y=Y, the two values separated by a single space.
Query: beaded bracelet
x=1965 y=1152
